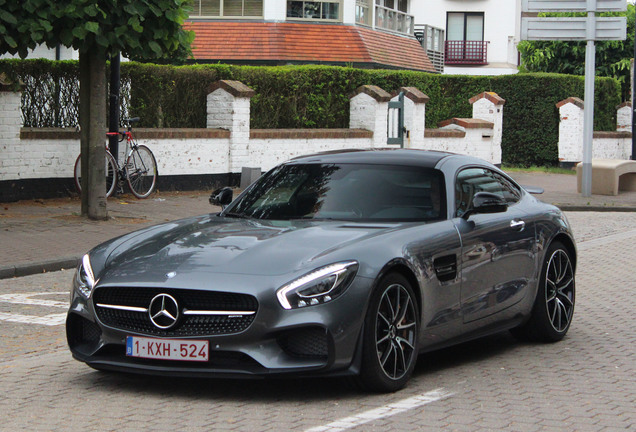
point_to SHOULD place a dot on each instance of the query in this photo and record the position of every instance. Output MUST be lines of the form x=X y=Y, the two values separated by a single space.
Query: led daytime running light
x=88 y=270
x=334 y=269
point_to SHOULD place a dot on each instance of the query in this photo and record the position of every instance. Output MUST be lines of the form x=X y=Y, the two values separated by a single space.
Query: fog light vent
x=309 y=342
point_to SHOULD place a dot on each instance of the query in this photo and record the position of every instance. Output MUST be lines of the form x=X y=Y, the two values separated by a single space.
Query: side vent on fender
x=445 y=267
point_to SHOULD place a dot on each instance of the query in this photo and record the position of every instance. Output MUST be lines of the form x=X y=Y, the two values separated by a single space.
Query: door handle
x=517 y=225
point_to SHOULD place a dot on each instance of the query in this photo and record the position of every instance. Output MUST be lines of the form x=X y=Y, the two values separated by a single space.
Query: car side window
x=473 y=180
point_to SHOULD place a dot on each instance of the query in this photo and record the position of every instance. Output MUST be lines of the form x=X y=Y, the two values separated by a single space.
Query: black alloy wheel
x=554 y=305
x=390 y=336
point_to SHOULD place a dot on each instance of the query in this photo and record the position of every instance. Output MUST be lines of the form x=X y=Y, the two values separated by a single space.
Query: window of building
x=465 y=38
x=228 y=8
x=465 y=26
x=393 y=15
x=314 y=10
x=363 y=12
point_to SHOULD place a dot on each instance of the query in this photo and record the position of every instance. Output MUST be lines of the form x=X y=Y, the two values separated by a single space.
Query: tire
x=111 y=174
x=141 y=170
x=390 y=340
x=553 y=307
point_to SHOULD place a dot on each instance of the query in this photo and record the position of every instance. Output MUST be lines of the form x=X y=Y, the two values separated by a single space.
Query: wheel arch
x=403 y=268
x=567 y=241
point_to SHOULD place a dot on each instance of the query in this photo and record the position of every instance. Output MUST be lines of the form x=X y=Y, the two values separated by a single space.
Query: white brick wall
x=486 y=110
x=624 y=119
x=267 y=153
x=367 y=113
x=603 y=147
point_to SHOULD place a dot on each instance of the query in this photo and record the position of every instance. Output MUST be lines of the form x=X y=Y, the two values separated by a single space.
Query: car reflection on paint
x=341 y=263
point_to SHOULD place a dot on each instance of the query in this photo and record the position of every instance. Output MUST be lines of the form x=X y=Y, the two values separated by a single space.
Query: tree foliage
x=612 y=57
x=136 y=28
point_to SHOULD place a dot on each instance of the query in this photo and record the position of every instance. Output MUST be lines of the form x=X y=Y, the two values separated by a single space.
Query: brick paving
x=585 y=382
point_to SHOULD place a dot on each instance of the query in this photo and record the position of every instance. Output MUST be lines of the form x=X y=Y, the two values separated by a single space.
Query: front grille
x=188 y=325
x=309 y=342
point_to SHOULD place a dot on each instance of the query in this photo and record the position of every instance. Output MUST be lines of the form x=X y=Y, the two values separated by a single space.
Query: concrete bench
x=609 y=176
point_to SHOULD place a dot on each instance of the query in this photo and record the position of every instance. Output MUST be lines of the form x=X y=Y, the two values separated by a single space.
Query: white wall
x=47 y=53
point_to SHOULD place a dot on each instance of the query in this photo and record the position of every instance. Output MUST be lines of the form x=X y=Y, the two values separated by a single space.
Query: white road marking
x=26 y=299
x=49 y=320
x=384 y=411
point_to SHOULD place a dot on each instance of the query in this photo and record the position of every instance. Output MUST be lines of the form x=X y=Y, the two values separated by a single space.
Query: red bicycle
x=139 y=170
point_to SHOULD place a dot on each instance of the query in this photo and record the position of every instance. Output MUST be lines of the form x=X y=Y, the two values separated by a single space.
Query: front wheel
x=390 y=340
x=110 y=170
x=141 y=170
x=553 y=308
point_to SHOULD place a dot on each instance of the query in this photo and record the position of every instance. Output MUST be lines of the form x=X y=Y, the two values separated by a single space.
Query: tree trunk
x=93 y=133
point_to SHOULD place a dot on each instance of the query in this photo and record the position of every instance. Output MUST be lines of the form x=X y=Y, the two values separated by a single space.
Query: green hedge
x=318 y=97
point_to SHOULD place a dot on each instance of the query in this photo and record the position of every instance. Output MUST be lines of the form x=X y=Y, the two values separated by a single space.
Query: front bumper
x=314 y=340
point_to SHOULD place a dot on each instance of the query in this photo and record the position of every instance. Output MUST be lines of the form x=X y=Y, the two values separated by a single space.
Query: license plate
x=167 y=349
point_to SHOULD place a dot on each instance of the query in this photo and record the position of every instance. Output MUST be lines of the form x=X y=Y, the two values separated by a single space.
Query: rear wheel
x=110 y=169
x=554 y=305
x=141 y=172
x=390 y=339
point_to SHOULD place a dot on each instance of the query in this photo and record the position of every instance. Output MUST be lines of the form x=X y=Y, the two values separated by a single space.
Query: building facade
x=479 y=37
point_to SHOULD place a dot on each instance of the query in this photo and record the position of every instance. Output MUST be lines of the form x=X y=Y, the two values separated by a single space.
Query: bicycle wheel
x=141 y=170
x=110 y=169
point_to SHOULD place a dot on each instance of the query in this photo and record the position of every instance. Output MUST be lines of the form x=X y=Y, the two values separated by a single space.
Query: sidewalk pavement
x=49 y=235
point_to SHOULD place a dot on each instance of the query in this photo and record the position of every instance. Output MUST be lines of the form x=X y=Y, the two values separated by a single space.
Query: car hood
x=220 y=245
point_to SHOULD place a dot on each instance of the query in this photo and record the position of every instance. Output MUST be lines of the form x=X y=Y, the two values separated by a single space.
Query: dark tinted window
x=344 y=191
x=473 y=180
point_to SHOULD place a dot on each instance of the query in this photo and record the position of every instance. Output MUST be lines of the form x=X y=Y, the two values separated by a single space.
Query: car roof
x=384 y=156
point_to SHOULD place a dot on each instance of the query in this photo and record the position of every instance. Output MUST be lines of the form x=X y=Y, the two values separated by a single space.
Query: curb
x=28 y=269
x=587 y=208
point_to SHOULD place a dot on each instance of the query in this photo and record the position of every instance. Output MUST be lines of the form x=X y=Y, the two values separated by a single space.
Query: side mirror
x=486 y=202
x=222 y=197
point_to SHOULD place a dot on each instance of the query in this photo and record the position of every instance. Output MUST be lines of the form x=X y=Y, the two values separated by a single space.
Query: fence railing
x=391 y=19
x=432 y=40
x=466 y=52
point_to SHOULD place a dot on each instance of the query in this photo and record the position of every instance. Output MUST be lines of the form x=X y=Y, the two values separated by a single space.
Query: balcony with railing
x=391 y=19
x=432 y=40
x=460 y=52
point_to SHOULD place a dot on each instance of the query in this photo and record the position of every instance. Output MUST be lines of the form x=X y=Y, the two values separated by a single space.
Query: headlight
x=318 y=287
x=84 y=277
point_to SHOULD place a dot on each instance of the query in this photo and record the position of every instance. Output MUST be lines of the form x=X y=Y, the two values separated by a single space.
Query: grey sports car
x=340 y=263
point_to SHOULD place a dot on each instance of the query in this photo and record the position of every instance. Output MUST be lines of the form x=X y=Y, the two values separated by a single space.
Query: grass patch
x=541 y=169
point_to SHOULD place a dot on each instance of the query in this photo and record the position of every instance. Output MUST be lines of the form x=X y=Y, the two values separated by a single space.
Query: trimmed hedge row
x=318 y=97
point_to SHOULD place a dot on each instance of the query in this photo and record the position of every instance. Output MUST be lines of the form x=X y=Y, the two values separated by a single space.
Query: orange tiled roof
x=305 y=42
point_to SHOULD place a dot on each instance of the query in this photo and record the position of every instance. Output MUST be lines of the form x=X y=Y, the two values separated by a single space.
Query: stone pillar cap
x=7 y=85
x=491 y=96
x=375 y=92
x=624 y=104
x=415 y=94
x=573 y=100
x=235 y=88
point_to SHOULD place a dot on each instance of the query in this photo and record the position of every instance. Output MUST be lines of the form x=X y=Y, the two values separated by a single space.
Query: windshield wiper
x=236 y=215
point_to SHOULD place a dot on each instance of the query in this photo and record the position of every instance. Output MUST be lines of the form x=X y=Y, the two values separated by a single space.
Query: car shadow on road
x=289 y=389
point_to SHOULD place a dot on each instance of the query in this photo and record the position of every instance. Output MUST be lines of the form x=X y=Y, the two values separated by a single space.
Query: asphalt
x=49 y=235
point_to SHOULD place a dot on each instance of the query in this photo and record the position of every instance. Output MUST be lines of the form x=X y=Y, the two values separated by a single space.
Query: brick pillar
x=10 y=124
x=368 y=109
x=624 y=117
x=414 y=116
x=570 y=130
x=489 y=106
x=228 y=107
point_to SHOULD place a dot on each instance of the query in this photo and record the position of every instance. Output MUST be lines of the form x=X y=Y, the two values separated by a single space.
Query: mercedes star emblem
x=163 y=311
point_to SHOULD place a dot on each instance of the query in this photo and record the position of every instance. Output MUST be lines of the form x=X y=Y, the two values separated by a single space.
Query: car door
x=497 y=257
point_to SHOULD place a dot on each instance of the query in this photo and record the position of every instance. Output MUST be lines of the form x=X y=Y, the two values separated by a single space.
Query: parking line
x=384 y=411
x=49 y=320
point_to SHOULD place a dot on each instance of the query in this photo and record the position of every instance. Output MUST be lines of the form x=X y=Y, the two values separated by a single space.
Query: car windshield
x=344 y=192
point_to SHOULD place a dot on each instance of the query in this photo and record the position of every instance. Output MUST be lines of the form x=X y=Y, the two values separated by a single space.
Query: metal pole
x=588 y=119
x=113 y=124
x=588 y=107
